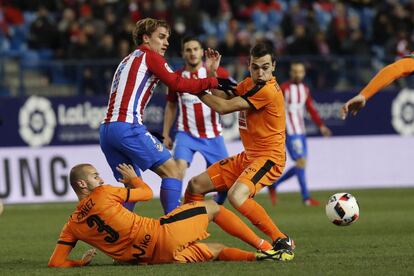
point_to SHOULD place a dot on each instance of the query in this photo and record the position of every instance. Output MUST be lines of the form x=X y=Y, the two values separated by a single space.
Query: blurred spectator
x=322 y=30
x=299 y=43
x=43 y=32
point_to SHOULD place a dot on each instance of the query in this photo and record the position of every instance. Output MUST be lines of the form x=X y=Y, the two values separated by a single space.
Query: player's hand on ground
x=127 y=172
x=168 y=143
x=353 y=106
x=213 y=59
x=325 y=131
x=88 y=256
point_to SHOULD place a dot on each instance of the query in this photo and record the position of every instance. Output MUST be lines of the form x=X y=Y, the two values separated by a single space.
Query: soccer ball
x=342 y=209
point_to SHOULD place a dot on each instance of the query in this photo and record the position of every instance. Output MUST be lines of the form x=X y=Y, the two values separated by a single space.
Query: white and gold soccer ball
x=342 y=209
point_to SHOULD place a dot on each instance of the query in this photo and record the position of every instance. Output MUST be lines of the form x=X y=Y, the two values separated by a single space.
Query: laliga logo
x=37 y=121
x=403 y=112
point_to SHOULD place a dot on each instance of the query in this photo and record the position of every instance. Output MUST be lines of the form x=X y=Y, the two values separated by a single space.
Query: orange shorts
x=179 y=232
x=256 y=173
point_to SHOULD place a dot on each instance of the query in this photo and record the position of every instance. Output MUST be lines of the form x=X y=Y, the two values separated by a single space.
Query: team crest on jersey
x=168 y=68
x=159 y=147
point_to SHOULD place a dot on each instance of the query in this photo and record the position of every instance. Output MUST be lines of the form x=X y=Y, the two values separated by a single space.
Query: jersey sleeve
x=312 y=110
x=222 y=73
x=141 y=191
x=174 y=81
x=62 y=250
x=258 y=96
x=387 y=75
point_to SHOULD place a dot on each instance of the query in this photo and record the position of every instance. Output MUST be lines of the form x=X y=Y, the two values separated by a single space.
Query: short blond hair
x=147 y=26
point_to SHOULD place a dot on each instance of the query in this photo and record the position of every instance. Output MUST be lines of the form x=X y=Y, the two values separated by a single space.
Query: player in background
x=101 y=221
x=401 y=68
x=198 y=126
x=297 y=97
x=123 y=136
x=260 y=103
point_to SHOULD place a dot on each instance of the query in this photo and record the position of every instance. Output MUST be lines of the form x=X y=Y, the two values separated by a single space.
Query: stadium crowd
x=318 y=29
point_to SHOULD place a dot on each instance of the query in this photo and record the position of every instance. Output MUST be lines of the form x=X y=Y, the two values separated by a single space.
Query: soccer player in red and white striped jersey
x=198 y=126
x=123 y=137
x=297 y=98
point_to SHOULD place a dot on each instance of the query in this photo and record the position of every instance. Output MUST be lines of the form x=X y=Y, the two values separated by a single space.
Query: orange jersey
x=262 y=127
x=101 y=221
x=401 y=68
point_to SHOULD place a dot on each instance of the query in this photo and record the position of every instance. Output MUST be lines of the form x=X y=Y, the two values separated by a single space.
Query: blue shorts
x=212 y=149
x=132 y=144
x=296 y=146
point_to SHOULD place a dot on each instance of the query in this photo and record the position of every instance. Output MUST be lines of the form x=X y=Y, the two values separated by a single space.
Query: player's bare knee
x=212 y=209
x=200 y=184
x=168 y=170
x=301 y=163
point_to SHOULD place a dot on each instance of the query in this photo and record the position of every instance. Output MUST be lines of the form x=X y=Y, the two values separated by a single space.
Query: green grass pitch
x=381 y=242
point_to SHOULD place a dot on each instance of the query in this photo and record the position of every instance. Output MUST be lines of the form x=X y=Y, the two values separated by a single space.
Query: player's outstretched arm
x=353 y=106
x=384 y=77
x=141 y=191
x=223 y=106
x=60 y=255
x=174 y=81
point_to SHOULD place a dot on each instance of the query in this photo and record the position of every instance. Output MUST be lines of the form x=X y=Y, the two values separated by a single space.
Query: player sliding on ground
x=401 y=68
x=101 y=221
x=260 y=103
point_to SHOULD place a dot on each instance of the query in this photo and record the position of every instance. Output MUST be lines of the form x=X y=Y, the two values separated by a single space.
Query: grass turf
x=381 y=242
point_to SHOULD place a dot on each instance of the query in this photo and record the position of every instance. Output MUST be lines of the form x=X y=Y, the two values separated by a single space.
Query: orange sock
x=258 y=216
x=233 y=225
x=235 y=254
x=189 y=197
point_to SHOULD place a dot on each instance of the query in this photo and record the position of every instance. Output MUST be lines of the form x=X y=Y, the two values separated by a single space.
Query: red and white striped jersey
x=297 y=96
x=195 y=117
x=134 y=82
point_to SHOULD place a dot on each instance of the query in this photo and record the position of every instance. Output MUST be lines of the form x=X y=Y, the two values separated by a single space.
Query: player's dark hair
x=147 y=26
x=261 y=49
x=190 y=38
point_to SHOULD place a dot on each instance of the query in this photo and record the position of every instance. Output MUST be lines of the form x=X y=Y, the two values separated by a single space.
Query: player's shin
x=170 y=194
x=233 y=225
x=258 y=216
x=300 y=172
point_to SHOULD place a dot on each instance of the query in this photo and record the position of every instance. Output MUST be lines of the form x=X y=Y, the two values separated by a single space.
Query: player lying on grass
x=401 y=68
x=101 y=221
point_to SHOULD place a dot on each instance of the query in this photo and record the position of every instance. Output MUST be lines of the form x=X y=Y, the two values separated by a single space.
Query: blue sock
x=129 y=205
x=220 y=197
x=291 y=172
x=170 y=194
x=300 y=172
